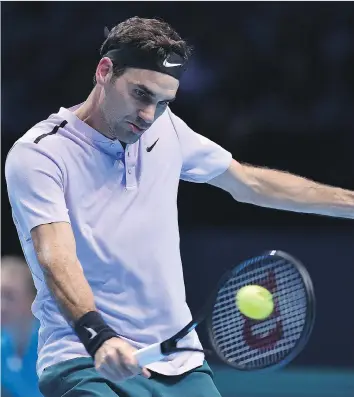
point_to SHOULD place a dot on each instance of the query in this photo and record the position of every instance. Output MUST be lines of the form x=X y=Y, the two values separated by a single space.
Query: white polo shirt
x=122 y=206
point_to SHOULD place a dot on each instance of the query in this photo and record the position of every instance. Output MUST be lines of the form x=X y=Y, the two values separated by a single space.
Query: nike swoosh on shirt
x=148 y=149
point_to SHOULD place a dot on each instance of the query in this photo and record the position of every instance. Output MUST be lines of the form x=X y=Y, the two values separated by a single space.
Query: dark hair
x=152 y=35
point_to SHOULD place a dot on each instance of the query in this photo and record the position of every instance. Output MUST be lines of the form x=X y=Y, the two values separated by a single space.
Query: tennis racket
x=246 y=344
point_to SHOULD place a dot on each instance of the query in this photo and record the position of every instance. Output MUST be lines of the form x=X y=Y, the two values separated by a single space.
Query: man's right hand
x=115 y=361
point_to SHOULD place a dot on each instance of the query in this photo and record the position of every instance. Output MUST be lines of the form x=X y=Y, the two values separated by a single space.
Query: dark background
x=272 y=82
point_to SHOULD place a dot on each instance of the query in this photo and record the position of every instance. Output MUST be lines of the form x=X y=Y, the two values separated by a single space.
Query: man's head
x=17 y=291
x=137 y=76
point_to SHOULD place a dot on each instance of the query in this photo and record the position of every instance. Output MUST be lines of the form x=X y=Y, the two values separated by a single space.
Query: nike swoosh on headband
x=170 y=65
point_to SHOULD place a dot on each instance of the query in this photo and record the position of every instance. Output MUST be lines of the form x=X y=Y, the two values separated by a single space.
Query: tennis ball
x=254 y=302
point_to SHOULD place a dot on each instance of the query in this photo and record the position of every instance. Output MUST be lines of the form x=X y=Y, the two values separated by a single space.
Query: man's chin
x=126 y=137
x=131 y=137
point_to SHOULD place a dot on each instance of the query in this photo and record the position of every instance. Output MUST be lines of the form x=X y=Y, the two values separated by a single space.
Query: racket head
x=251 y=345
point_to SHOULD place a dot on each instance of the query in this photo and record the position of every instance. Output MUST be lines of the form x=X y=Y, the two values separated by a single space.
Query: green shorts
x=78 y=378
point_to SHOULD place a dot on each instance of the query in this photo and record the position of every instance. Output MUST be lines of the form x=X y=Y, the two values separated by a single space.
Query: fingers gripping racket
x=247 y=344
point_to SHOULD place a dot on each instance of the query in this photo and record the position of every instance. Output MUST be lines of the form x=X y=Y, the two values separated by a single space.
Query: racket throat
x=170 y=347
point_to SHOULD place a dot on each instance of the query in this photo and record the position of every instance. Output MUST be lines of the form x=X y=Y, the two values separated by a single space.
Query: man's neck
x=89 y=113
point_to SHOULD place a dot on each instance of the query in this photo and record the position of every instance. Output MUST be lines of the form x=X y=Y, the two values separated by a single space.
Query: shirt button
x=129 y=171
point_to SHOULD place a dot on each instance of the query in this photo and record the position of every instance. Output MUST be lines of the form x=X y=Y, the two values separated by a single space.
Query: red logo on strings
x=269 y=340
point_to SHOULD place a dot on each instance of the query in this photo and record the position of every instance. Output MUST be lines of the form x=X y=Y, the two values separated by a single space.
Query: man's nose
x=148 y=113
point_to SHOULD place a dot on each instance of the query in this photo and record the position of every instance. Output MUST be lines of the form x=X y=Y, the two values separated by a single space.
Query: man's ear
x=104 y=71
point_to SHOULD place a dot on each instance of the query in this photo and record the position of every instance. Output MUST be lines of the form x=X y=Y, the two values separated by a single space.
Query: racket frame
x=310 y=315
x=158 y=351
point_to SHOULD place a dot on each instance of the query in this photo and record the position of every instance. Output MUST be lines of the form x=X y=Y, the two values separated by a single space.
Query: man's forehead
x=159 y=83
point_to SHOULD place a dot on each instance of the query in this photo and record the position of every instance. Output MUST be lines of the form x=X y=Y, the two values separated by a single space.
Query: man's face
x=16 y=295
x=133 y=101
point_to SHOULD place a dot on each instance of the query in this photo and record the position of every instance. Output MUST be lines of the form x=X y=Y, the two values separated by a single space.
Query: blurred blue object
x=18 y=374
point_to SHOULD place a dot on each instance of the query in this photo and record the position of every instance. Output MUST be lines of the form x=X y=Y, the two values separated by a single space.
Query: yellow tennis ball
x=255 y=302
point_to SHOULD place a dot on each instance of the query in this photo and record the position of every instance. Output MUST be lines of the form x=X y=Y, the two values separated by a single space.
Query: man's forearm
x=72 y=292
x=75 y=300
x=56 y=253
x=276 y=189
x=55 y=247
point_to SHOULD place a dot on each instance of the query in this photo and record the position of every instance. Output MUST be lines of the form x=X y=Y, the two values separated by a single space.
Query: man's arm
x=55 y=247
x=284 y=191
x=35 y=177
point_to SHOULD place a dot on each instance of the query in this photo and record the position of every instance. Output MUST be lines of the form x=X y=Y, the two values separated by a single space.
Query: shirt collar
x=109 y=146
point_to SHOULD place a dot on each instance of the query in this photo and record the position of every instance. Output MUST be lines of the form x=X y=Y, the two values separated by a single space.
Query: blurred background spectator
x=19 y=330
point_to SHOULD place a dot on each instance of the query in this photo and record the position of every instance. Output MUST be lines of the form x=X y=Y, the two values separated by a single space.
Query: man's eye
x=140 y=93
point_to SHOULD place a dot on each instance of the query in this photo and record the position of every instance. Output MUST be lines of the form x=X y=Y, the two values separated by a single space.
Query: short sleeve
x=35 y=185
x=202 y=158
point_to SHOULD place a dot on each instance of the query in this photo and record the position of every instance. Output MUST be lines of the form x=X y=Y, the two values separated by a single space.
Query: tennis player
x=93 y=192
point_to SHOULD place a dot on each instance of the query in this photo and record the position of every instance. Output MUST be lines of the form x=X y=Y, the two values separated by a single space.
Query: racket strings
x=287 y=276
x=226 y=342
x=257 y=328
x=234 y=340
x=228 y=296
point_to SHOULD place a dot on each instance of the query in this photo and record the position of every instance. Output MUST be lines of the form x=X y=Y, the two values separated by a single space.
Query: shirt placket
x=131 y=156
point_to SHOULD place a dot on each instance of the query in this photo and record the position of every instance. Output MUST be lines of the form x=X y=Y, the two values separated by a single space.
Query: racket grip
x=149 y=354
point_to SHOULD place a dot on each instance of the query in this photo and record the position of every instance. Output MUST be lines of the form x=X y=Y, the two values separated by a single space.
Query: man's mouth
x=135 y=128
